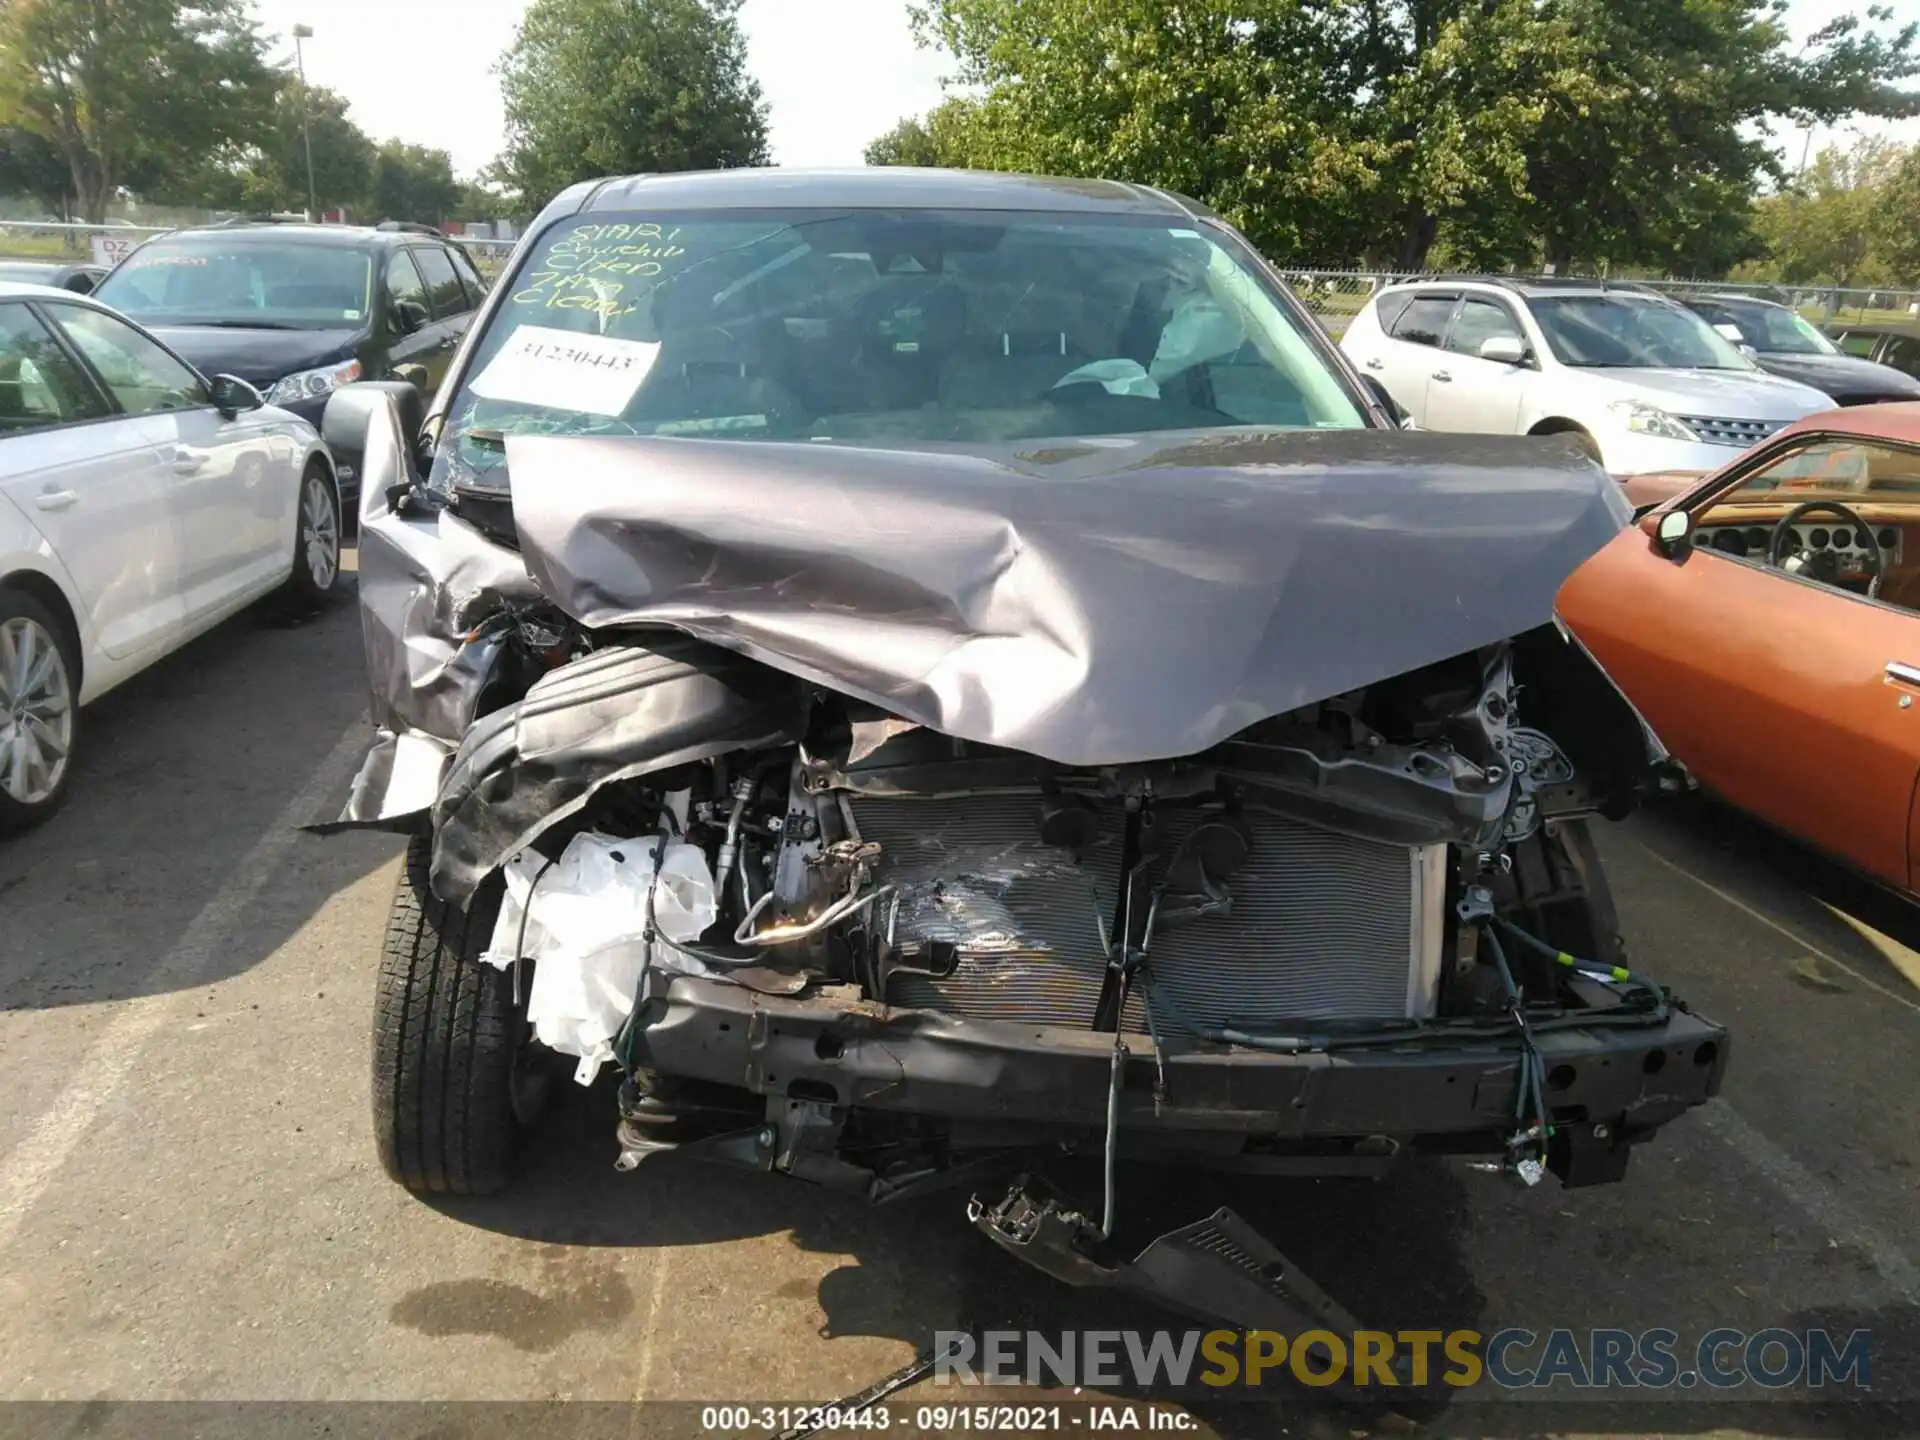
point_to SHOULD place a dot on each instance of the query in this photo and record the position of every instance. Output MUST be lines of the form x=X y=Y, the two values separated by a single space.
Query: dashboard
x=1822 y=534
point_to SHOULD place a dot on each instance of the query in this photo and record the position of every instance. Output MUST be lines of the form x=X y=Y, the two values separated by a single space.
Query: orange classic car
x=1766 y=622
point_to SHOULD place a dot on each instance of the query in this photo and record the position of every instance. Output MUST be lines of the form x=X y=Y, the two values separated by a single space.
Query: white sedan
x=140 y=504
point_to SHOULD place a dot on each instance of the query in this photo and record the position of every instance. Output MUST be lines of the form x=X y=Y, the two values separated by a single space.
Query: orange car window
x=1850 y=471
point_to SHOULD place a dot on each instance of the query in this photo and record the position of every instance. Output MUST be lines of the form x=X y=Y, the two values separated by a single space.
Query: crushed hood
x=1089 y=601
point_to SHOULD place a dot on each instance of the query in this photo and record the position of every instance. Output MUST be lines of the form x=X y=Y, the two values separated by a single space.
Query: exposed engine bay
x=895 y=873
x=1399 y=864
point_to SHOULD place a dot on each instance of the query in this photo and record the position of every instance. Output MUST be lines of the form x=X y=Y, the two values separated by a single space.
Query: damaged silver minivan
x=931 y=675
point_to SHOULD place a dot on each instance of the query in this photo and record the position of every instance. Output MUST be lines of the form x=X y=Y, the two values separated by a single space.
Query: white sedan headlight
x=311 y=384
x=1644 y=419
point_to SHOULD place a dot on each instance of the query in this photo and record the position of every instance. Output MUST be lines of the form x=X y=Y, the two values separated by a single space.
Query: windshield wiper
x=240 y=324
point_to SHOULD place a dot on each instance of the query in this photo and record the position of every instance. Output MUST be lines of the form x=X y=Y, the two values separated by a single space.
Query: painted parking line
x=650 y=1326
x=31 y=1166
x=1906 y=961
x=1800 y=940
x=1815 y=1198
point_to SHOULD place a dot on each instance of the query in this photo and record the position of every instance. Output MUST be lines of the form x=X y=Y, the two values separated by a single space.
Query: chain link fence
x=1336 y=296
x=111 y=242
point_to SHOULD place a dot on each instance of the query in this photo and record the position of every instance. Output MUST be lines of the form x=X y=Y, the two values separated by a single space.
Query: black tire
x=18 y=605
x=446 y=1037
x=310 y=585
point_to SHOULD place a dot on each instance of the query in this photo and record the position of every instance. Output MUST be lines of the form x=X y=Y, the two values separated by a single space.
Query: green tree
x=1653 y=150
x=941 y=139
x=1242 y=105
x=1898 y=235
x=411 y=182
x=31 y=164
x=1829 y=226
x=131 y=85
x=268 y=171
x=608 y=87
x=480 y=200
x=908 y=143
x=343 y=155
x=1581 y=130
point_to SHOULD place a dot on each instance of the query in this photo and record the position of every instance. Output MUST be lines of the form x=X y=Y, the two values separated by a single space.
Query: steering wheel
x=1821 y=564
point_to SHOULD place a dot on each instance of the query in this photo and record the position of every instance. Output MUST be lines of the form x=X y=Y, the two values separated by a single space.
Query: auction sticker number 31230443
x=566 y=370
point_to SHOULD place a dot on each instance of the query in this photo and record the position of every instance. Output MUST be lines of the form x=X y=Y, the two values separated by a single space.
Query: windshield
x=1775 y=330
x=881 y=325
x=1617 y=331
x=1854 y=471
x=210 y=280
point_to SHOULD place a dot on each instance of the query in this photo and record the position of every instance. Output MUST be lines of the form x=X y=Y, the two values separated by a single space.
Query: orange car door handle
x=1905 y=674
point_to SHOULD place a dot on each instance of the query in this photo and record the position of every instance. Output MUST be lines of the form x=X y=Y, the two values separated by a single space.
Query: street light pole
x=305 y=32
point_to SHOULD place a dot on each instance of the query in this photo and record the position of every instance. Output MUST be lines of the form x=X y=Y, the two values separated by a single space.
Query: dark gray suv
x=930 y=675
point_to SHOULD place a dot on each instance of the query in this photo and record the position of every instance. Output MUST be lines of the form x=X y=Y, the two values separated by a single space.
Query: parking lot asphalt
x=190 y=1207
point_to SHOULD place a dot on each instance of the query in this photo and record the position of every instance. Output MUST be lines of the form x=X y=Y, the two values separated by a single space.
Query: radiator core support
x=990 y=923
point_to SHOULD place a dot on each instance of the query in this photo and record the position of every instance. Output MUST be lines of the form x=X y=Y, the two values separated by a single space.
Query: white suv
x=1647 y=382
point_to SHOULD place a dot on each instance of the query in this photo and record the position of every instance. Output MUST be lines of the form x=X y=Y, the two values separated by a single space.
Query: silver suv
x=1648 y=383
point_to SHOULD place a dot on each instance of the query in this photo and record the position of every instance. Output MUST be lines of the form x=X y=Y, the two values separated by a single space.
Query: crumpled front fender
x=427 y=582
x=613 y=715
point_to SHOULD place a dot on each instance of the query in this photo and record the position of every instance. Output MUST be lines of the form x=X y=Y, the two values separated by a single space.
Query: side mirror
x=408 y=316
x=353 y=410
x=232 y=395
x=1504 y=349
x=1673 y=534
x=1386 y=402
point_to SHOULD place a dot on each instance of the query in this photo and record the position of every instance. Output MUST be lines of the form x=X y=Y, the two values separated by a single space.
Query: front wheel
x=447 y=1045
x=39 y=719
x=316 y=547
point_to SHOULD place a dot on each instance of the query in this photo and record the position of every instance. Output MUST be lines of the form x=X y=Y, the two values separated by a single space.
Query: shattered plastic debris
x=395 y=785
x=585 y=931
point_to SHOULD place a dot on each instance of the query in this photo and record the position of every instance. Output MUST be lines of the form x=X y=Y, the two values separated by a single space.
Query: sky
x=835 y=73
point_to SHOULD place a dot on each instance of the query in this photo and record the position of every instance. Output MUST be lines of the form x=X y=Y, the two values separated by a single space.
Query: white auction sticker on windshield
x=563 y=369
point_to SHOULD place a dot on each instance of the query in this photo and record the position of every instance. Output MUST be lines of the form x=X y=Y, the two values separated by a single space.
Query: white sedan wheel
x=320 y=532
x=36 y=711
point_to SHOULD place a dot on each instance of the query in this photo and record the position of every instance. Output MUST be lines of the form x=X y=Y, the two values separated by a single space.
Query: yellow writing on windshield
x=603 y=269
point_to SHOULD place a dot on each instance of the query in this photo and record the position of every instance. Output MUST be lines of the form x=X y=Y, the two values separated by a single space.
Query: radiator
x=1322 y=926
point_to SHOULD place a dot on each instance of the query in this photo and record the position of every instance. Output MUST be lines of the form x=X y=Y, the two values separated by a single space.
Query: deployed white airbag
x=585 y=931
